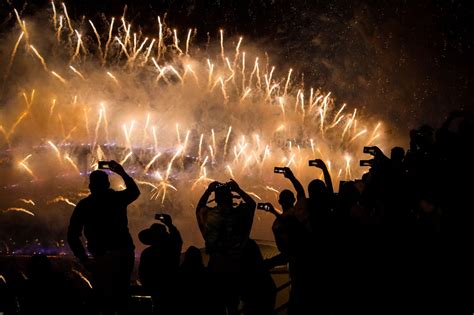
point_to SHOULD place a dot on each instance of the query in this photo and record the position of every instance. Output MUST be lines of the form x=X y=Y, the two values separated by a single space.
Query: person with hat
x=159 y=264
x=102 y=216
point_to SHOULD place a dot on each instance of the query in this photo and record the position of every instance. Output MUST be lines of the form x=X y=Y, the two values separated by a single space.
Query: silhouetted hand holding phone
x=317 y=163
x=117 y=168
x=213 y=186
x=286 y=171
x=322 y=166
x=268 y=207
x=165 y=218
x=374 y=151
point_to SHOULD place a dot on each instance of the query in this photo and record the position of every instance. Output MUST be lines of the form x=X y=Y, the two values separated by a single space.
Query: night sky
x=410 y=62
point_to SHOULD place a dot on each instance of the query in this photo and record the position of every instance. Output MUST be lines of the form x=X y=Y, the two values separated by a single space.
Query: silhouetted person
x=226 y=231
x=320 y=196
x=420 y=160
x=258 y=290
x=195 y=289
x=397 y=155
x=287 y=201
x=103 y=217
x=348 y=205
x=292 y=232
x=318 y=269
x=192 y=261
x=159 y=264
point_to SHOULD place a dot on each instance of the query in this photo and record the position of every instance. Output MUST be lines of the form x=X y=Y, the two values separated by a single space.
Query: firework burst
x=178 y=117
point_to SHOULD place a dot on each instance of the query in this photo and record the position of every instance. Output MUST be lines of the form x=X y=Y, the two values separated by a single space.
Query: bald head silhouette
x=98 y=182
x=286 y=199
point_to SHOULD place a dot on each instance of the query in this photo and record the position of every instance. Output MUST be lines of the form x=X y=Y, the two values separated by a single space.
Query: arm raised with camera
x=201 y=205
x=205 y=196
x=173 y=230
x=327 y=177
x=300 y=194
x=131 y=192
x=268 y=207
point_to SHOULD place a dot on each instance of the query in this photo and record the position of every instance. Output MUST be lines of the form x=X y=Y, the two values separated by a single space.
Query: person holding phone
x=102 y=217
x=293 y=237
x=159 y=264
x=235 y=263
x=286 y=200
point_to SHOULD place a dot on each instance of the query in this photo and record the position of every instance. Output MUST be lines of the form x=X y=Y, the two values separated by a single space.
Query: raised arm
x=131 y=191
x=174 y=232
x=74 y=234
x=205 y=196
x=175 y=235
x=327 y=177
x=271 y=209
x=300 y=194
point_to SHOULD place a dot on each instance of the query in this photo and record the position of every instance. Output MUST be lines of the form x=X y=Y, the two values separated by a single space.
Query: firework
x=77 y=272
x=61 y=198
x=22 y=210
x=175 y=119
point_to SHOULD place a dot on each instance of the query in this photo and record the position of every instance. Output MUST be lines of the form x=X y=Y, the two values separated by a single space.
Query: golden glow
x=174 y=119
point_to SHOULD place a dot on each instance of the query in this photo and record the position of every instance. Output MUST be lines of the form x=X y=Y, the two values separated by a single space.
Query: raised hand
x=116 y=168
x=233 y=185
x=269 y=207
x=165 y=218
x=288 y=173
x=317 y=163
x=213 y=186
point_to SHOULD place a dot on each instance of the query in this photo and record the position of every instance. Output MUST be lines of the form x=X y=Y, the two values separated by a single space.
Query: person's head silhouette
x=397 y=154
x=192 y=259
x=154 y=235
x=286 y=199
x=98 y=182
x=317 y=190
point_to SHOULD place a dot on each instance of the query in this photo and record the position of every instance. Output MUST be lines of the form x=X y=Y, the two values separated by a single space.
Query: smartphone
x=159 y=216
x=103 y=165
x=369 y=150
x=222 y=185
x=263 y=206
x=279 y=170
x=313 y=163
x=366 y=162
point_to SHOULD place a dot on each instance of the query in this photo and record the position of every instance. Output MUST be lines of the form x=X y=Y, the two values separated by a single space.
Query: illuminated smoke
x=175 y=116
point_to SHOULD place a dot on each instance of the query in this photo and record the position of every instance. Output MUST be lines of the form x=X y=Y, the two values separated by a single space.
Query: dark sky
x=410 y=61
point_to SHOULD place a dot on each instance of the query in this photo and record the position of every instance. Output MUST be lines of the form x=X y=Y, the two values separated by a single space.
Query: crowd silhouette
x=398 y=240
